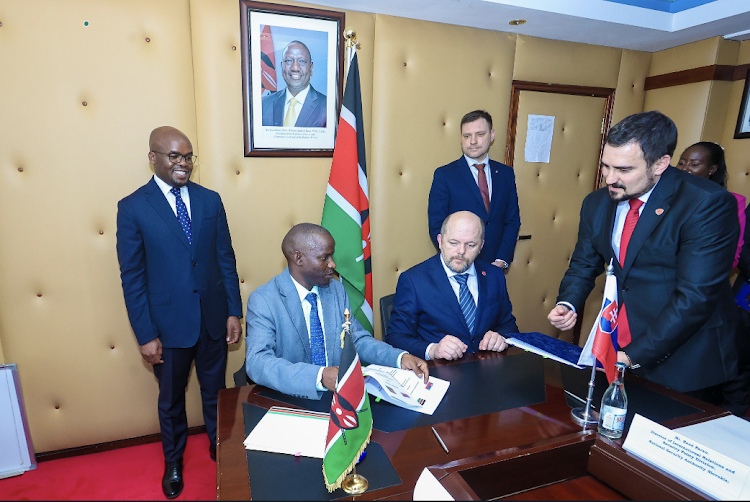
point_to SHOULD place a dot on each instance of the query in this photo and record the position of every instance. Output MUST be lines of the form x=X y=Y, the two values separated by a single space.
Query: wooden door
x=550 y=196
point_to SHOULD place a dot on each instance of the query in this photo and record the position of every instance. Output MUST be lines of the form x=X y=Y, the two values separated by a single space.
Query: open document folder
x=404 y=388
x=290 y=431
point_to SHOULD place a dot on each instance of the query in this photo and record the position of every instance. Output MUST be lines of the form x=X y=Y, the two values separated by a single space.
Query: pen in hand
x=440 y=440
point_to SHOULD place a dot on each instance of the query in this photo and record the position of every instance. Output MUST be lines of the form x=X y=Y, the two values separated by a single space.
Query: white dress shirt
x=306 y=309
x=475 y=172
x=622 y=213
x=184 y=193
x=471 y=283
x=300 y=97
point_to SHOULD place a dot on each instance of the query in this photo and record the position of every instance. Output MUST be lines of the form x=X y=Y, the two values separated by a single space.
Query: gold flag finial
x=351 y=38
x=347 y=325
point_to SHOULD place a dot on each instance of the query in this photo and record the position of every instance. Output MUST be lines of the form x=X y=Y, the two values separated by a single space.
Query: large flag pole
x=346 y=210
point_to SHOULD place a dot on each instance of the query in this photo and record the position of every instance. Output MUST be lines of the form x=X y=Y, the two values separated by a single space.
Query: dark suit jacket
x=674 y=281
x=165 y=278
x=312 y=114
x=425 y=308
x=454 y=189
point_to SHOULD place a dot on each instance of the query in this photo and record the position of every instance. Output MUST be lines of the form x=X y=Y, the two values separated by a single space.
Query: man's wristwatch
x=630 y=363
x=503 y=263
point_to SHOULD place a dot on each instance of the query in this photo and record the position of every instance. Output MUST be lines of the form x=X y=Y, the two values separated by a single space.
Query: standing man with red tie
x=671 y=238
x=480 y=185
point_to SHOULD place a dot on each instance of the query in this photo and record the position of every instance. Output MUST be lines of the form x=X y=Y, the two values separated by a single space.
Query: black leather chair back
x=386 y=307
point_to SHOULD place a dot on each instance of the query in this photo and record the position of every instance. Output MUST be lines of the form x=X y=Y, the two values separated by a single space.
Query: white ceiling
x=599 y=22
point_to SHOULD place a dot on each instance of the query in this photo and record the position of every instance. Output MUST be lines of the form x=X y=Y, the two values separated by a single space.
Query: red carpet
x=132 y=473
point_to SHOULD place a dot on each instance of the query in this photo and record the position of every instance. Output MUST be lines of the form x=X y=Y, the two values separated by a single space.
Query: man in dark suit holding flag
x=671 y=237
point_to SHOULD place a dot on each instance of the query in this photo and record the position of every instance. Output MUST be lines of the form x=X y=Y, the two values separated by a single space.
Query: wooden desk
x=498 y=454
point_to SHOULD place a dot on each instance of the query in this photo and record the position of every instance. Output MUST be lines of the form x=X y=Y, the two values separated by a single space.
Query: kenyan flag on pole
x=350 y=425
x=346 y=212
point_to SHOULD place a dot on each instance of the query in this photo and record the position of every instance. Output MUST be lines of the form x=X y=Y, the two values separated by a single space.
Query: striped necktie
x=317 y=341
x=291 y=114
x=466 y=300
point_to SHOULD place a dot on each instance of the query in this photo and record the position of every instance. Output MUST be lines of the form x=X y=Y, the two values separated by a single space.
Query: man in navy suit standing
x=453 y=302
x=181 y=289
x=480 y=185
x=299 y=104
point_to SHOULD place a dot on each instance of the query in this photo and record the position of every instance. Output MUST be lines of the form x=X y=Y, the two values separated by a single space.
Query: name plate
x=708 y=470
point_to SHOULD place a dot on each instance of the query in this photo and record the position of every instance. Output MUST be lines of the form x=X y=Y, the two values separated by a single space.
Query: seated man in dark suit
x=298 y=104
x=452 y=303
x=294 y=322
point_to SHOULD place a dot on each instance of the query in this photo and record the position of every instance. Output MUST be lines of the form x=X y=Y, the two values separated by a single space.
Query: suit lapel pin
x=659 y=212
x=484 y=273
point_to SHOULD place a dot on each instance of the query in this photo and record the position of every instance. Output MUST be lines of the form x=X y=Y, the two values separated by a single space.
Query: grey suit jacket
x=278 y=344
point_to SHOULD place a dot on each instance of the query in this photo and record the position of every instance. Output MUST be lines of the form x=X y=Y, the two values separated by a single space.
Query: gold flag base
x=355 y=484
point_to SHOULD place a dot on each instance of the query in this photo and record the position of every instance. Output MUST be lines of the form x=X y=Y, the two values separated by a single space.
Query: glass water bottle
x=614 y=406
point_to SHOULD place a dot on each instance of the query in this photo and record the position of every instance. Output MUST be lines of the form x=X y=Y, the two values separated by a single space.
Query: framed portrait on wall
x=743 y=120
x=292 y=67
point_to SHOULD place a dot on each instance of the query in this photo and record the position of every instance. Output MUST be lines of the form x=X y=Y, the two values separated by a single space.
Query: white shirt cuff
x=427 y=352
x=319 y=381
x=569 y=305
x=398 y=360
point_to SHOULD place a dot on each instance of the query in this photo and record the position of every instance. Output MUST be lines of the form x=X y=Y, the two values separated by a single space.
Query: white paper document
x=289 y=431
x=404 y=388
x=429 y=488
x=539 y=138
x=728 y=435
x=698 y=465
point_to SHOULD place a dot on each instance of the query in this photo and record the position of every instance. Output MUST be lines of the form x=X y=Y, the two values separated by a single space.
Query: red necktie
x=623 y=327
x=483 y=189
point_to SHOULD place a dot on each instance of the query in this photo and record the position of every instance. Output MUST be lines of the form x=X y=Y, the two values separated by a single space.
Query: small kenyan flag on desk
x=350 y=425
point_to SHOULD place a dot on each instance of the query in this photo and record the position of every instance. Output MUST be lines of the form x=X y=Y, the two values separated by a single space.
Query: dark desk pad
x=477 y=388
x=643 y=401
x=275 y=476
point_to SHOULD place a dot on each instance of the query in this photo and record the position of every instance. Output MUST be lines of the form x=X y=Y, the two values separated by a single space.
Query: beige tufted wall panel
x=630 y=94
x=141 y=64
x=571 y=63
x=685 y=57
x=686 y=105
x=737 y=151
x=549 y=217
x=264 y=197
x=78 y=103
x=424 y=84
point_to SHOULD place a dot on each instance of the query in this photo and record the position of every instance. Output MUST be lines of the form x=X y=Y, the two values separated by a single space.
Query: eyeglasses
x=176 y=158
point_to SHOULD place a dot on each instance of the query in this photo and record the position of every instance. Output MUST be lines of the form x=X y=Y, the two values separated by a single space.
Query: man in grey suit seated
x=294 y=322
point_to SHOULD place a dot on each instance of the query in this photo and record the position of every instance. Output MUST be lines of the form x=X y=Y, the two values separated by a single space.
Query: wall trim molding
x=694 y=75
x=111 y=445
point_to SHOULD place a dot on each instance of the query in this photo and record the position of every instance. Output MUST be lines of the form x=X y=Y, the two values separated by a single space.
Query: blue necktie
x=466 y=300
x=182 y=213
x=317 y=342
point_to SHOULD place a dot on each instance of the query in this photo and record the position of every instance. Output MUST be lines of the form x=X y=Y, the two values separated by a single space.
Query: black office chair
x=240 y=377
x=386 y=307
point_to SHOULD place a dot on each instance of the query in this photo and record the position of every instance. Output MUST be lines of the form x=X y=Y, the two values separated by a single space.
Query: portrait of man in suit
x=452 y=303
x=294 y=322
x=298 y=104
x=181 y=289
x=671 y=238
